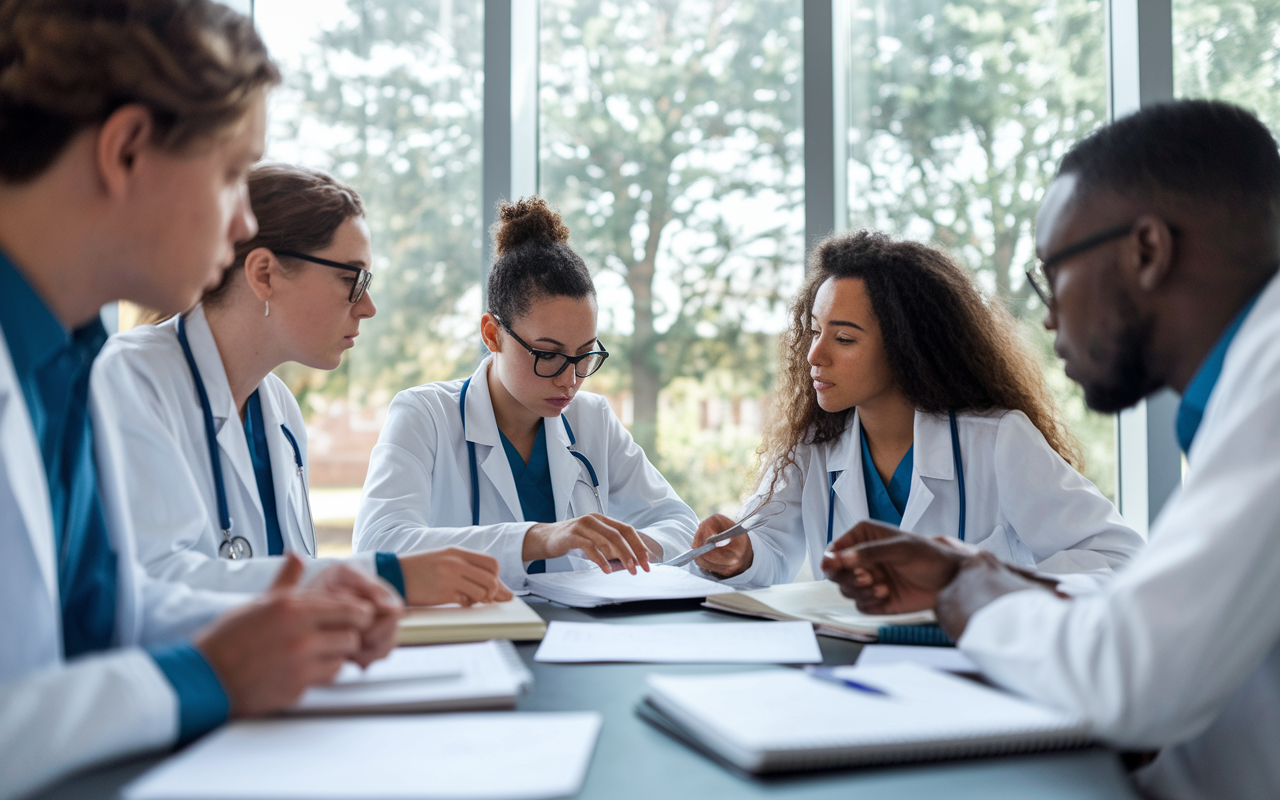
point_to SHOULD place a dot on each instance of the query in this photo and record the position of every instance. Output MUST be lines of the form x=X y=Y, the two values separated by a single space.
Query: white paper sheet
x=725 y=643
x=948 y=659
x=456 y=756
x=587 y=588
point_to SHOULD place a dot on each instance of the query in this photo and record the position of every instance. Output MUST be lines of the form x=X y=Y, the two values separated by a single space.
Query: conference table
x=633 y=759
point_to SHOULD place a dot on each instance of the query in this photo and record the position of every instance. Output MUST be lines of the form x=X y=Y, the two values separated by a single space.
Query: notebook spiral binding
x=928 y=635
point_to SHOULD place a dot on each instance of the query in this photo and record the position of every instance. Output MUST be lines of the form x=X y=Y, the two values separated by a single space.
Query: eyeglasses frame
x=363 y=276
x=568 y=359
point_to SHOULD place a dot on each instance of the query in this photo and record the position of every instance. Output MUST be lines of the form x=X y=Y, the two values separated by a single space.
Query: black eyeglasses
x=549 y=364
x=1042 y=282
x=363 y=276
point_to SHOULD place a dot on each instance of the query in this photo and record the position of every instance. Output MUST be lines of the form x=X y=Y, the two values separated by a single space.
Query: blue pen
x=828 y=674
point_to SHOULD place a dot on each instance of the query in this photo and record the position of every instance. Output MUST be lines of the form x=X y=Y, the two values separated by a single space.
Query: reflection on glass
x=958 y=115
x=671 y=140
x=387 y=95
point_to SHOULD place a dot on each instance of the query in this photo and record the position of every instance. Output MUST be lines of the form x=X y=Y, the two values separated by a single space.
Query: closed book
x=512 y=620
x=785 y=720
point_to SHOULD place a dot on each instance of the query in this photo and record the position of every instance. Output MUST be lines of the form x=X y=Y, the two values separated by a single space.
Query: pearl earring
x=267 y=303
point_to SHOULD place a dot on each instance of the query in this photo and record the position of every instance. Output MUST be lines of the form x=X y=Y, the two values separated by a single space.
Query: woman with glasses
x=217 y=443
x=905 y=396
x=515 y=461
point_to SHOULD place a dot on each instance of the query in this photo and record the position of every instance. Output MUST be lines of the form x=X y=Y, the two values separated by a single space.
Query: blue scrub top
x=256 y=435
x=533 y=484
x=886 y=503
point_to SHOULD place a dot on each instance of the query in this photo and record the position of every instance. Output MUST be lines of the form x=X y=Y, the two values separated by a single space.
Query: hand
x=268 y=651
x=888 y=571
x=729 y=558
x=379 y=638
x=452 y=575
x=601 y=539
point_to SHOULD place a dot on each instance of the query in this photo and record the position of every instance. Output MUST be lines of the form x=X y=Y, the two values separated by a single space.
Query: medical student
x=216 y=444
x=515 y=460
x=1159 y=249
x=904 y=396
x=124 y=177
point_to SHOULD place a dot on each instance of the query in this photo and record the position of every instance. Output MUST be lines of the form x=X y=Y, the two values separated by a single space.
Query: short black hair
x=533 y=260
x=1201 y=149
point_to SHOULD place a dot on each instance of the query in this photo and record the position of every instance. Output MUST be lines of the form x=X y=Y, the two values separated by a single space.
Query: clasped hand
x=889 y=571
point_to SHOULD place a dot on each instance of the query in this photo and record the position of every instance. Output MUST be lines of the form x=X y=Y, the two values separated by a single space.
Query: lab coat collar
x=931 y=436
x=482 y=430
x=284 y=473
x=846 y=456
x=226 y=419
x=19 y=454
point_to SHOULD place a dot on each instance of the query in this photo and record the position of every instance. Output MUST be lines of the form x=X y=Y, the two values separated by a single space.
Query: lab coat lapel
x=562 y=463
x=482 y=429
x=23 y=466
x=850 y=488
x=233 y=448
x=931 y=457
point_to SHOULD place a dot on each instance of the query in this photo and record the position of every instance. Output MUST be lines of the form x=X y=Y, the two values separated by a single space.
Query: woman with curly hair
x=904 y=396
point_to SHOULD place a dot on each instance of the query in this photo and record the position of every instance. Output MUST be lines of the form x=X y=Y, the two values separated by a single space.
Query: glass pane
x=959 y=114
x=1227 y=49
x=671 y=139
x=387 y=95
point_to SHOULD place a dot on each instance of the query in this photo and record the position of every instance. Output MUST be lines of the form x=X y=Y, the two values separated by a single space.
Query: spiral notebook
x=784 y=720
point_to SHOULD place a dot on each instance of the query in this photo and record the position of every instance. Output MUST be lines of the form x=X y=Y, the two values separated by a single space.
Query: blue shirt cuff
x=202 y=702
x=389 y=570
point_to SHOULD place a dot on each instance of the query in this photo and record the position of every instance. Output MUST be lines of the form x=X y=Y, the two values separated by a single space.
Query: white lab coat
x=418 y=492
x=1181 y=650
x=1024 y=503
x=169 y=476
x=58 y=716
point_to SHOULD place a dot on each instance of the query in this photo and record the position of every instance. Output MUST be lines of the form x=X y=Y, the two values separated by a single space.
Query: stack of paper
x=451 y=677
x=725 y=643
x=475 y=756
x=819 y=602
x=786 y=720
x=588 y=588
x=452 y=623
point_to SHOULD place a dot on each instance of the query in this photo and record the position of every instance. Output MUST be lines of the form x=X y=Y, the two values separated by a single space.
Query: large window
x=1229 y=50
x=671 y=139
x=958 y=116
x=387 y=95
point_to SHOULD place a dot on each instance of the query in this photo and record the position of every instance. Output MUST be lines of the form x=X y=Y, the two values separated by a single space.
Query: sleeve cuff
x=388 y=565
x=202 y=702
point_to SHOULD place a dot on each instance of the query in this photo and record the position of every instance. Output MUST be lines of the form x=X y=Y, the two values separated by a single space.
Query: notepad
x=589 y=588
x=725 y=643
x=786 y=720
x=947 y=659
x=448 y=677
x=454 y=756
x=452 y=623
x=819 y=602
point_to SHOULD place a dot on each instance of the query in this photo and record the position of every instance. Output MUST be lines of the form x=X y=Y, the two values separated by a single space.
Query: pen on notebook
x=828 y=674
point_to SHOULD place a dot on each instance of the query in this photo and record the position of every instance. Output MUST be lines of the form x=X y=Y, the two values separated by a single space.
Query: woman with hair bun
x=515 y=461
x=906 y=397
x=217 y=445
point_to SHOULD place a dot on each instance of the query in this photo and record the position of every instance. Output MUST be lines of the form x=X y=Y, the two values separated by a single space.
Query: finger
x=638 y=546
x=290 y=574
x=609 y=541
x=593 y=553
x=342 y=578
x=502 y=594
x=485 y=562
x=333 y=612
x=378 y=642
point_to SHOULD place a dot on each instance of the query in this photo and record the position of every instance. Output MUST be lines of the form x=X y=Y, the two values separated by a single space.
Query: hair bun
x=529 y=220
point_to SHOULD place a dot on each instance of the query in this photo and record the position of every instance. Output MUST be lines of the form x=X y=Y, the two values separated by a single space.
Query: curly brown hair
x=948 y=347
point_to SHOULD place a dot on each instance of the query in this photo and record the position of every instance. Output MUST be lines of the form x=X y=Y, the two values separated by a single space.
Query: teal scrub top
x=533 y=484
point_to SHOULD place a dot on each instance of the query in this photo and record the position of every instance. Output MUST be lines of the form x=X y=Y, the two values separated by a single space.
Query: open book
x=819 y=602
x=787 y=720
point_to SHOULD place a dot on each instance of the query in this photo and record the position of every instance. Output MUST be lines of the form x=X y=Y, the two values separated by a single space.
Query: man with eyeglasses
x=1160 y=239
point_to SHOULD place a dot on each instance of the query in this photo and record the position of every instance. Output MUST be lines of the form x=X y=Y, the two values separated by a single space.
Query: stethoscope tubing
x=215 y=461
x=475 y=472
x=955 y=454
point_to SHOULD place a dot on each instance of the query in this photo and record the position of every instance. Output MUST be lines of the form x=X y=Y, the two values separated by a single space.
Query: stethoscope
x=236 y=547
x=475 y=473
x=955 y=454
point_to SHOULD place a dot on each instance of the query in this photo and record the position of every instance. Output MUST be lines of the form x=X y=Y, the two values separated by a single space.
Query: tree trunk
x=646 y=371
